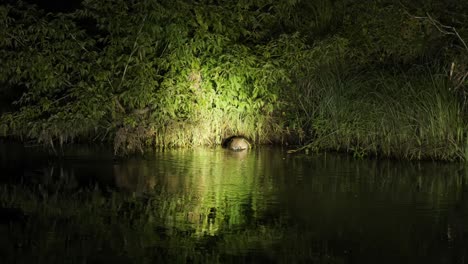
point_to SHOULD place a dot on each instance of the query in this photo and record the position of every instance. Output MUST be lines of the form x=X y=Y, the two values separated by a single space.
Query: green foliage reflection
x=268 y=208
x=209 y=193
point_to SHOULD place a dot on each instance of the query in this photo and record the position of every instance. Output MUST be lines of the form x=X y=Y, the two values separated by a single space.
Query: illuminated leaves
x=158 y=65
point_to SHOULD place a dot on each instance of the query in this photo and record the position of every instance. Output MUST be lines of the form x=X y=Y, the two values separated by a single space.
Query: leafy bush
x=180 y=74
x=183 y=73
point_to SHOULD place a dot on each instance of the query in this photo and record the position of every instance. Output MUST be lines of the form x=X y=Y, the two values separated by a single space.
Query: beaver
x=236 y=143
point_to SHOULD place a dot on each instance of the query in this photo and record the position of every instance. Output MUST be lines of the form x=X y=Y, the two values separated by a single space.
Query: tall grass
x=410 y=115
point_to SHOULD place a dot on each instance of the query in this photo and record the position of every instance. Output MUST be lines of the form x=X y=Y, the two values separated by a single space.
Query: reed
x=402 y=115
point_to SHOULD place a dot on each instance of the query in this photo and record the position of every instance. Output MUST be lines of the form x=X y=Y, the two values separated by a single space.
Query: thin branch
x=447 y=30
x=135 y=43
x=74 y=38
x=17 y=39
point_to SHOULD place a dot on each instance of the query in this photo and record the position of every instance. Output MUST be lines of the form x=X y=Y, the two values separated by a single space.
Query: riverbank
x=413 y=115
x=178 y=76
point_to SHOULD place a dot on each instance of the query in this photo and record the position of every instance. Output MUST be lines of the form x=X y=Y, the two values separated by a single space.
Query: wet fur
x=236 y=143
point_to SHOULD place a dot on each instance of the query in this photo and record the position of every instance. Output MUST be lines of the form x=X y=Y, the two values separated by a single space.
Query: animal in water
x=236 y=143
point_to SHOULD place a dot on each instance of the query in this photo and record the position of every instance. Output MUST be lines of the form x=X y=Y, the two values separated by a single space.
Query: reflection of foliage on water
x=87 y=226
x=400 y=208
x=215 y=206
x=402 y=180
x=201 y=207
x=209 y=191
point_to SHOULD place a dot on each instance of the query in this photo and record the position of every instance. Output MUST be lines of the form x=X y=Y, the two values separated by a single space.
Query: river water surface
x=213 y=205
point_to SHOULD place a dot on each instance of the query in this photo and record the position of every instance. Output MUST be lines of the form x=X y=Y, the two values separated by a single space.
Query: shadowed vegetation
x=412 y=115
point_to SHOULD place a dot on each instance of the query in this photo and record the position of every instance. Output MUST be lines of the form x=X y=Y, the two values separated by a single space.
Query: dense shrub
x=184 y=73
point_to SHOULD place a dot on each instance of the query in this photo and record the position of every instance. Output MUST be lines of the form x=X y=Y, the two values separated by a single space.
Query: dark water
x=212 y=205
